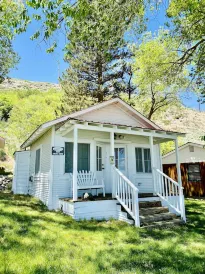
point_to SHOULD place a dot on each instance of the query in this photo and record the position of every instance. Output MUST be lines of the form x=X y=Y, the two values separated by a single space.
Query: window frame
x=64 y=158
x=40 y=159
x=125 y=150
x=188 y=173
x=143 y=160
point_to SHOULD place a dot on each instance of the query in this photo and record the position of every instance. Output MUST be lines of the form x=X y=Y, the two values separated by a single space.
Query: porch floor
x=108 y=196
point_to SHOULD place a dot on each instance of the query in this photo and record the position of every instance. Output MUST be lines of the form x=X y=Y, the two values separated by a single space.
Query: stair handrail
x=127 y=194
x=170 y=191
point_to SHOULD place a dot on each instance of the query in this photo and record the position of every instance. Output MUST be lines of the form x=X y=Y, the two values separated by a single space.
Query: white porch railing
x=127 y=194
x=169 y=191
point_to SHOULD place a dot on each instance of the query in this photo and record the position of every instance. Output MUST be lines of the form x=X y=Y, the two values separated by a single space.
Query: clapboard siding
x=40 y=186
x=45 y=144
x=21 y=172
x=98 y=210
x=112 y=114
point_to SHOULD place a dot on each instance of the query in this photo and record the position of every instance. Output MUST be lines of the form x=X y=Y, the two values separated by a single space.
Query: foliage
x=74 y=98
x=52 y=242
x=22 y=111
x=169 y=146
x=10 y=12
x=188 y=22
x=97 y=52
x=153 y=75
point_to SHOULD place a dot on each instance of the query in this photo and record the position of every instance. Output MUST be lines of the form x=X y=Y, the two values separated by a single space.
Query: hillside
x=12 y=84
x=184 y=120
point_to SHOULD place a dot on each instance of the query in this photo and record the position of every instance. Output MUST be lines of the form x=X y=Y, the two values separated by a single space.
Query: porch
x=121 y=161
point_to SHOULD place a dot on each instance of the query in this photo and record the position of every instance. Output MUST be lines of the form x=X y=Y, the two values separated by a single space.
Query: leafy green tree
x=188 y=21
x=96 y=50
x=157 y=85
x=28 y=114
x=10 y=15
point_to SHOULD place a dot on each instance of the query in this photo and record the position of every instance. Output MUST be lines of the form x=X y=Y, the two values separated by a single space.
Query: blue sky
x=37 y=65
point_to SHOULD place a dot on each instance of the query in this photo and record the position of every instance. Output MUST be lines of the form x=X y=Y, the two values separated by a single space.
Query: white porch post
x=178 y=163
x=75 y=163
x=179 y=179
x=112 y=154
x=152 y=161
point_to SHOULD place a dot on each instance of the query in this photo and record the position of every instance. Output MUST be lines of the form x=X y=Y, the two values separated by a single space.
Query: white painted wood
x=152 y=160
x=112 y=154
x=75 y=163
x=21 y=172
x=127 y=194
x=170 y=192
x=88 y=180
x=39 y=187
x=51 y=171
x=178 y=163
x=186 y=155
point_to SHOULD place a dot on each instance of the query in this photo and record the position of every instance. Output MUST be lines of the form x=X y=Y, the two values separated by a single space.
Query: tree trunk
x=100 y=95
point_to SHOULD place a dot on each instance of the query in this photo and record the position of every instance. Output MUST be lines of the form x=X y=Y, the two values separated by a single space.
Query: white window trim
x=41 y=152
x=143 y=164
x=81 y=141
x=125 y=147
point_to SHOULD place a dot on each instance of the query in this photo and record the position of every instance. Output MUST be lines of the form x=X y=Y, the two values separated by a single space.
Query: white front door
x=120 y=159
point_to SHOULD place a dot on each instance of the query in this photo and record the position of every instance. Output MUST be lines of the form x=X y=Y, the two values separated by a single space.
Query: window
x=37 y=161
x=143 y=160
x=83 y=157
x=191 y=148
x=194 y=173
x=120 y=158
x=99 y=158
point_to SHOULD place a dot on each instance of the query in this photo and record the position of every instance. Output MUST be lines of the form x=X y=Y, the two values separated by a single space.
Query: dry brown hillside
x=184 y=120
x=18 y=84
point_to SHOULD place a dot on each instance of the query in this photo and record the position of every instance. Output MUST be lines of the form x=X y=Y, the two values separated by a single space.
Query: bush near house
x=35 y=240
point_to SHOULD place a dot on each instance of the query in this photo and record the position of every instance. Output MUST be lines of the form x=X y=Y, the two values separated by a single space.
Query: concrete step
x=149 y=204
x=164 y=224
x=147 y=219
x=153 y=210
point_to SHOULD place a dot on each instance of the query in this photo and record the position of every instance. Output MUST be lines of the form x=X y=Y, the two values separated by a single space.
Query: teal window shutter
x=139 y=160
x=37 y=161
x=83 y=157
x=68 y=157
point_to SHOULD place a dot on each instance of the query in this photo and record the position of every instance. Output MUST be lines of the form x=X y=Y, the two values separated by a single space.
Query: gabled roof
x=44 y=127
x=182 y=147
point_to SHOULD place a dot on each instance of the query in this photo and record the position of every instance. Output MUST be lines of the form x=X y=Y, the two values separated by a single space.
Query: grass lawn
x=34 y=240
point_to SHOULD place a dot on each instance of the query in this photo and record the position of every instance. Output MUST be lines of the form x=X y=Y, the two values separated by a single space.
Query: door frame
x=126 y=156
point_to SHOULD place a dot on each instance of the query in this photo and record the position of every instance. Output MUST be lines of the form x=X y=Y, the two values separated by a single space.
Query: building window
x=99 y=158
x=194 y=173
x=120 y=158
x=191 y=148
x=83 y=157
x=37 y=161
x=143 y=160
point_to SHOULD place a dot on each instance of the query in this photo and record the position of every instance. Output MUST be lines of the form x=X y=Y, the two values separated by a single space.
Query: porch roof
x=68 y=126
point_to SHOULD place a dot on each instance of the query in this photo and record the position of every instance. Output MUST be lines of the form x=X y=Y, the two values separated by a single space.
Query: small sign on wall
x=112 y=160
x=57 y=150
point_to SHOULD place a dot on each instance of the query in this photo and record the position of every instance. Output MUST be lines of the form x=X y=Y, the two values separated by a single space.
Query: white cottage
x=109 y=150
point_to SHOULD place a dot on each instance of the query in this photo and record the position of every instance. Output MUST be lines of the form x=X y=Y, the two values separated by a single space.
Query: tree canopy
x=10 y=16
x=157 y=85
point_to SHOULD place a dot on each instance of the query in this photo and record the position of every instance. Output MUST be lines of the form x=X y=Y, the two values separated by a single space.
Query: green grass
x=35 y=240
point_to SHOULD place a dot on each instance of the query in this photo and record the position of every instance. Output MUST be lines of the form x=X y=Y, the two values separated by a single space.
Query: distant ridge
x=185 y=120
x=12 y=83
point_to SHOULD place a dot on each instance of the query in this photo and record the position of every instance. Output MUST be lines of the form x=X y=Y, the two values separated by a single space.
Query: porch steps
x=154 y=215
x=123 y=215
